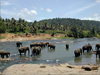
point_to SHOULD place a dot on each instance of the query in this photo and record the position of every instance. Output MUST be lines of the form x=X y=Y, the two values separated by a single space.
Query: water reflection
x=51 y=50
x=78 y=59
x=97 y=60
x=87 y=54
x=67 y=49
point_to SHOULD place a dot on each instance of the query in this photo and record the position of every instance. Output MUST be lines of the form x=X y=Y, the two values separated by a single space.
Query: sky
x=32 y=10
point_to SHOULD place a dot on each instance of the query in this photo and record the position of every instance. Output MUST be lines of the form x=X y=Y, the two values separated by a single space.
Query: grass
x=2 y=37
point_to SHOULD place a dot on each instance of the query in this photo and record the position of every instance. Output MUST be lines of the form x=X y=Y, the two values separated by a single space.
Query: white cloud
x=49 y=10
x=97 y=0
x=26 y=14
x=80 y=9
x=5 y=3
x=95 y=17
x=33 y=12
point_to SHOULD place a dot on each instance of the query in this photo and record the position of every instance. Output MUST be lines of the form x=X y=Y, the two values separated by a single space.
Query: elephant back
x=51 y=45
x=78 y=50
x=33 y=44
x=46 y=43
x=1 y=52
x=85 y=47
x=6 y=52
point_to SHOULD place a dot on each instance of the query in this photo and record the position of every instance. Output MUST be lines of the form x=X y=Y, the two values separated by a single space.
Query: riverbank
x=49 y=69
x=24 y=37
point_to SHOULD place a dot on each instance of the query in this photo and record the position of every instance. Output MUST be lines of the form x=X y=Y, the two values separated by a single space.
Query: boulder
x=69 y=66
x=89 y=68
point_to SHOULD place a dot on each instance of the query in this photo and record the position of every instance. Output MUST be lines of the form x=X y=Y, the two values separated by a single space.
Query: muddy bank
x=49 y=69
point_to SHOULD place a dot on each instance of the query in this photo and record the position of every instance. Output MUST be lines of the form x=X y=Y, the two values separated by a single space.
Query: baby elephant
x=77 y=52
x=18 y=44
x=67 y=46
x=51 y=46
x=4 y=53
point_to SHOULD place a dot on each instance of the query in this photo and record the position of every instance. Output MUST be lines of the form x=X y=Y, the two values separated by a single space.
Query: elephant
x=97 y=46
x=51 y=46
x=42 y=44
x=87 y=47
x=36 y=50
x=33 y=44
x=77 y=52
x=98 y=53
x=23 y=50
x=36 y=44
x=67 y=46
x=46 y=43
x=18 y=44
x=3 y=53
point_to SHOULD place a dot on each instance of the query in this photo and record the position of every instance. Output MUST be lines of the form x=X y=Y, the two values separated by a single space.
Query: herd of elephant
x=36 y=49
x=88 y=47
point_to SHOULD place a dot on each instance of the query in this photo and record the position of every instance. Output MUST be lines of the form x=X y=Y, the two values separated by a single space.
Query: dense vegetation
x=70 y=27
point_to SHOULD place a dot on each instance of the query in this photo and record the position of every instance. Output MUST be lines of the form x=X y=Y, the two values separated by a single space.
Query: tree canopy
x=70 y=27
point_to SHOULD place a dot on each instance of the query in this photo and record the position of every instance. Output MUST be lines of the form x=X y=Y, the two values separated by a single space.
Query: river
x=58 y=55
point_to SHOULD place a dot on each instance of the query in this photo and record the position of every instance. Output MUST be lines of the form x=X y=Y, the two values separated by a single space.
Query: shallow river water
x=58 y=55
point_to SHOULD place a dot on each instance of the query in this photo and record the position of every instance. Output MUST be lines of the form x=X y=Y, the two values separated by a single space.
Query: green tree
x=2 y=27
x=74 y=31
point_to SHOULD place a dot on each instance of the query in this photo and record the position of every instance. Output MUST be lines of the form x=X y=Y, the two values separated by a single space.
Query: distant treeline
x=70 y=27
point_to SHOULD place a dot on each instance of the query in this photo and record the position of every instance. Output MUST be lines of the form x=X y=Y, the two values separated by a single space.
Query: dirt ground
x=22 y=37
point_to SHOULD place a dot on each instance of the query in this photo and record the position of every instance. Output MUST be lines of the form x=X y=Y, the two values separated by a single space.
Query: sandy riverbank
x=48 y=69
x=23 y=37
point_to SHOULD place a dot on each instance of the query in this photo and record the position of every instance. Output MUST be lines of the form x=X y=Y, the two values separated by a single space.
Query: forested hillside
x=70 y=27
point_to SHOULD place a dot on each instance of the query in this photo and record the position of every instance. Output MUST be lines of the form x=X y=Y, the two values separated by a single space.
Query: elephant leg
x=34 y=54
x=2 y=56
x=99 y=54
x=96 y=55
x=25 y=53
x=28 y=52
x=20 y=53
x=79 y=54
x=6 y=55
x=76 y=55
x=83 y=50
